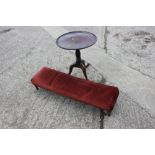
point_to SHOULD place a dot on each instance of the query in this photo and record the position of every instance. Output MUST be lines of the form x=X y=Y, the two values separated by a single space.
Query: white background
x=77 y=13
x=76 y=142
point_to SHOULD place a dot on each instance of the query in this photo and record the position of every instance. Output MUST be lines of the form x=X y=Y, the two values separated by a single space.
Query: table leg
x=71 y=68
x=83 y=62
x=84 y=71
x=36 y=87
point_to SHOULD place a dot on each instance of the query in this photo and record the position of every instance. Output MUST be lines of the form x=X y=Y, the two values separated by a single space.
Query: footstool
x=96 y=94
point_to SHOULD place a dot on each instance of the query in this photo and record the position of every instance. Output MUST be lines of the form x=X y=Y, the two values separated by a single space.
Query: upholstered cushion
x=96 y=94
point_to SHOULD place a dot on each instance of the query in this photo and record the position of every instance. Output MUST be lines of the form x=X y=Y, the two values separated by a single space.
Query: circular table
x=77 y=40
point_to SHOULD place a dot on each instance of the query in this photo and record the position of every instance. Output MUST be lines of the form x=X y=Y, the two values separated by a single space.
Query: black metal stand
x=79 y=64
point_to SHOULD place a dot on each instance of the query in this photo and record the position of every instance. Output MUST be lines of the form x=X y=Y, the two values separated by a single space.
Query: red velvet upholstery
x=96 y=94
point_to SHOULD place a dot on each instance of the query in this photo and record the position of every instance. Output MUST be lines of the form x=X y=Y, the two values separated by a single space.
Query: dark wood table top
x=76 y=40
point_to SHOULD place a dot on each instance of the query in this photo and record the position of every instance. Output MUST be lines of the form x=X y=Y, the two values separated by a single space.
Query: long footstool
x=89 y=92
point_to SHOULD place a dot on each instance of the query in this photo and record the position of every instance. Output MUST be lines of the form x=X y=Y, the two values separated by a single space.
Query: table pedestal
x=79 y=64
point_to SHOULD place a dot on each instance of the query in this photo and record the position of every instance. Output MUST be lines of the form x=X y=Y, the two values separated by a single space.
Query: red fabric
x=96 y=94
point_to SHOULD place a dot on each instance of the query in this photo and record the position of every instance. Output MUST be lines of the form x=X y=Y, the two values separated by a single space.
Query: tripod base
x=79 y=64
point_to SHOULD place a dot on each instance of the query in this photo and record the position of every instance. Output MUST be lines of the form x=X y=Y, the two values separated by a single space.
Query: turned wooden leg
x=109 y=113
x=36 y=87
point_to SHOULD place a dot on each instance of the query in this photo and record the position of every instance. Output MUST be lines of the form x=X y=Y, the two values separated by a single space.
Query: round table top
x=76 y=40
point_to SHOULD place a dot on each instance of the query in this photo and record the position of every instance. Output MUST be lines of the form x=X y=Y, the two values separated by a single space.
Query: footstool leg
x=36 y=87
x=109 y=113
